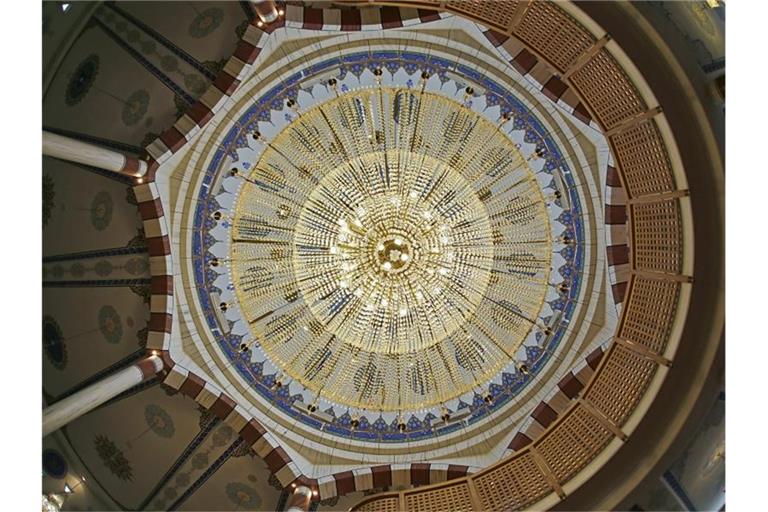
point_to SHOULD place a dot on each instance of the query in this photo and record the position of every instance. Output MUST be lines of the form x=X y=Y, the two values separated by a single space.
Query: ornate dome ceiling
x=388 y=241
x=385 y=247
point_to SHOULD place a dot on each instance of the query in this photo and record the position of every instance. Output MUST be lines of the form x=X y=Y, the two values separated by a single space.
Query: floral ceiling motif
x=113 y=457
x=110 y=324
x=53 y=343
x=82 y=79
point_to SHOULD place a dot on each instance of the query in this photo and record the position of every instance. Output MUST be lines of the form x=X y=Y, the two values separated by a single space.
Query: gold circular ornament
x=390 y=249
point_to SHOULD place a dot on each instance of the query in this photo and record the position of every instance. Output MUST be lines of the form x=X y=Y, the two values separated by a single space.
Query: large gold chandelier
x=391 y=249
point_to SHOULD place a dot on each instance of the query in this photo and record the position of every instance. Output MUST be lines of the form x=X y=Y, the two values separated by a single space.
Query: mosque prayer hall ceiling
x=391 y=242
x=380 y=247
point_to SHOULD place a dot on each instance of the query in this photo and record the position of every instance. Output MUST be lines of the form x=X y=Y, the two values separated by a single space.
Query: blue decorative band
x=165 y=42
x=188 y=451
x=101 y=253
x=207 y=474
x=91 y=283
x=173 y=86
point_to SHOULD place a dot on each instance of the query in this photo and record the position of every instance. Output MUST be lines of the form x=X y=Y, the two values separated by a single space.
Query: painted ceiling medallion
x=391 y=235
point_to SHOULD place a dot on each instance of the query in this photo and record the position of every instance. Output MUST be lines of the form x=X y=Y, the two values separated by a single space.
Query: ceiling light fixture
x=393 y=249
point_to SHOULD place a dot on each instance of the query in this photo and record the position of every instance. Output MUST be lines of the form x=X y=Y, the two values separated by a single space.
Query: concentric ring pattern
x=481 y=203
x=391 y=235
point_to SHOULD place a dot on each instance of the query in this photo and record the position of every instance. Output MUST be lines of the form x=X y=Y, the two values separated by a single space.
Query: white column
x=300 y=499
x=266 y=10
x=85 y=400
x=74 y=150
